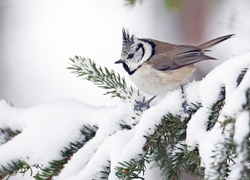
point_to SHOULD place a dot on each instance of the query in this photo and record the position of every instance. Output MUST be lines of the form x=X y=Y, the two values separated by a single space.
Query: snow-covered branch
x=68 y=139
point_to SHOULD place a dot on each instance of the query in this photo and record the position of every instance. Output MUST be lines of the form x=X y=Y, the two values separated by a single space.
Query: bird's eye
x=130 y=56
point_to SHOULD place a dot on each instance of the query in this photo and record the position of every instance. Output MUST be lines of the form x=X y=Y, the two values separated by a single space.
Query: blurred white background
x=37 y=38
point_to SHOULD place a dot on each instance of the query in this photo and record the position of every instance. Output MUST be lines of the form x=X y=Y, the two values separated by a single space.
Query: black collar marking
x=125 y=66
x=152 y=45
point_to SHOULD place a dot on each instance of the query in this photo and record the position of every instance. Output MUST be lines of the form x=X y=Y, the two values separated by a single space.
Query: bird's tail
x=215 y=41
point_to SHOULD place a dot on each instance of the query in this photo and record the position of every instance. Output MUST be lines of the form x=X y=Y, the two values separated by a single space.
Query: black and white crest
x=128 y=39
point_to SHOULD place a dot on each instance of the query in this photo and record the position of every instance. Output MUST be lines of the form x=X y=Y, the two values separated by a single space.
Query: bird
x=157 y=67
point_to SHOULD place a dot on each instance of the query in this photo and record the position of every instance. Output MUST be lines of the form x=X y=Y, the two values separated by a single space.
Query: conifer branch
x=55 y=167
x=14 y=167
x=216 y=109
x=158 y=148
x=169 y=150
x=132 y=169
x=7 y=134
x=182 y=160
x=113 y=83
x=170 y=4
x=104 y=174
x=227 y=151
x=132 y=2
x=241 y=76
x=165 y=146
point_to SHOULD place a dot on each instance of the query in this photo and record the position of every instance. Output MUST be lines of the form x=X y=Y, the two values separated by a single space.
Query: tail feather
x=215 y=41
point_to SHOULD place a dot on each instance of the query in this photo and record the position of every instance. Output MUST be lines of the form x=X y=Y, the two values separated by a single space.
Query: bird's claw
x=143 y=105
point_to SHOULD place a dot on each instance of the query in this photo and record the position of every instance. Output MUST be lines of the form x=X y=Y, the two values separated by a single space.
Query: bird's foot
x=144 y=105
x=185 y=107
x=184 y=104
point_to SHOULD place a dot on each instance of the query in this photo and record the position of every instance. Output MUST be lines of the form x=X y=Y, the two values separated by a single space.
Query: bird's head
x=135 y=51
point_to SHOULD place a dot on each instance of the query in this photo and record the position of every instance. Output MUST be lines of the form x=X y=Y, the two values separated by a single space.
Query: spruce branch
x=227 y=152
x=224 y=152
x=133 y=2
x=7 y=134
x=181 y=159
x=113 y=83
x=216 y=109
x=55 y=166
x=194 y=107
x=13 y=168
x=169 y=151
x=170 y=131
x=247 y=105
x=104 y=173
x=159 y=148
x=165 y=146
x=170 y=4
x=219 y=104
x=132 y=169
x=241 y=76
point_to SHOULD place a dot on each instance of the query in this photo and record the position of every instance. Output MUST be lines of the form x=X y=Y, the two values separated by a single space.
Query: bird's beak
x=119 y=61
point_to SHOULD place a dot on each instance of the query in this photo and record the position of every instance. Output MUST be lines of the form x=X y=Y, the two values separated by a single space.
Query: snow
x=209 y=90
x=241 y=127
x=196 y=128
x=240 y=138
x=49 y=127
x=224 y=75
x=191 y=89
x=170 y=103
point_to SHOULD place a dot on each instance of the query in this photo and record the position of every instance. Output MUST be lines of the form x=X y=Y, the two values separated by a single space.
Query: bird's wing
x=178 y=57
x=215 y=41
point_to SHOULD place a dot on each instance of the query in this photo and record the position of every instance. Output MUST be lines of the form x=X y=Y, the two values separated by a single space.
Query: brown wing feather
x=178 y=57
x=215 y=41
x=171 y=56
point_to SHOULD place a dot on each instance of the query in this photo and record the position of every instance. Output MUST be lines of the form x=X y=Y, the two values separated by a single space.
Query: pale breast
x=157 y=82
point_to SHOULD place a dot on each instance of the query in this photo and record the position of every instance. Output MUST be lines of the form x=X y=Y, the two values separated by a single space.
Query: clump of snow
x=48 y=128
x=150 y=118
x=242 y=127
x=196 y=128
x=209 y=91
x=241 y=132
x=226 y=76
x=191 y=92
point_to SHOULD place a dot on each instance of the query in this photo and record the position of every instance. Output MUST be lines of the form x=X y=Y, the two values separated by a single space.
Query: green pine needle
x=113 y=83
x=14 y=167
x=7 y=134
x=241 y=76
x=55 y=167
x=170 y=4
x=132 y=169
